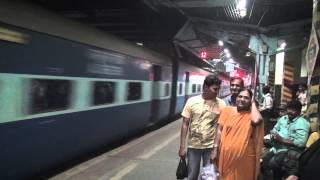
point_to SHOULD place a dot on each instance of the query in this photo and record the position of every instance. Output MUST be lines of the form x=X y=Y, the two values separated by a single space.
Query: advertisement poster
x=312 y=53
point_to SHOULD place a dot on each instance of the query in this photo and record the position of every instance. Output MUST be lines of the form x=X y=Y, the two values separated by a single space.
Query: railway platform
x=152 y=156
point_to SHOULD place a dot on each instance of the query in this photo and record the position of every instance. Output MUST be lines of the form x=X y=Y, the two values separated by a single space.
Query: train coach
x=66 y=89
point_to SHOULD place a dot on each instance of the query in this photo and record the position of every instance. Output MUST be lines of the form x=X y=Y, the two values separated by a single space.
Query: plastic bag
x=182 y=169
x=209 y=172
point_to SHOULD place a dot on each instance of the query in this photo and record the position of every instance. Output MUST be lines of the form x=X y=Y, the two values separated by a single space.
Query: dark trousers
x=271 y=167
x=268 y=124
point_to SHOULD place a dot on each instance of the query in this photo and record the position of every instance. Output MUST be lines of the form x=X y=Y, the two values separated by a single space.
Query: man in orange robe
x=241 y=140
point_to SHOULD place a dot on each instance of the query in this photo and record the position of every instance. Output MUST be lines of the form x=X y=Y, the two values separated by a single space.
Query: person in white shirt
x=266 y=109
x=267 y=99
x=302 y=96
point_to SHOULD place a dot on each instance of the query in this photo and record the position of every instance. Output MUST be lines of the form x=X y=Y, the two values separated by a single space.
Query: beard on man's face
x=292 y=115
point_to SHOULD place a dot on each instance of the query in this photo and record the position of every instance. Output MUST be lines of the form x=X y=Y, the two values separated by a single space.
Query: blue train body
x=61 y=97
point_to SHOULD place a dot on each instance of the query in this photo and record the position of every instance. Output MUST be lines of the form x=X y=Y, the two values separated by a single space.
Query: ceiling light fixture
x=220 y=43
x=283 y=45
x=231 y=60
x=243 y=12
x=241 y=6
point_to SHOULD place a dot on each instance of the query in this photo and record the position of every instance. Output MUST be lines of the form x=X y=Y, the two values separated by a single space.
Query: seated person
x=290 y=132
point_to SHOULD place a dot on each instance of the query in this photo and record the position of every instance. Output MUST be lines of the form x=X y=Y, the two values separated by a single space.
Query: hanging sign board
x=312 y=52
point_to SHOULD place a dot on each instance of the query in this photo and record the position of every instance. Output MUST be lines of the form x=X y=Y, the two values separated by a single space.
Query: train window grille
x=166 y=89
x=134 y=91
x=198 y=87
x=194 y=88
x=104 y=92
x=180 y=89
x=49 y=95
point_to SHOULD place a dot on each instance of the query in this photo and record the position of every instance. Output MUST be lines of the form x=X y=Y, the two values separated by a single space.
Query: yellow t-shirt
x=312 y=138
x=203 y=116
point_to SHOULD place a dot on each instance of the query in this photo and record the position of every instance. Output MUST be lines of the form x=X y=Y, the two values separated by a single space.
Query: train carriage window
x=49 y=95
x=198 y=87
x=180 y=89
x=134 y=91
x=103 y=92
x=194 y=88
x=166 y=89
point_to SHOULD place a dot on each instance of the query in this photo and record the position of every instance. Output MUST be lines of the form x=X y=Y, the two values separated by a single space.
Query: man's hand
x=281 y=140
x=214 y=155
x=276 y=137
x=182 y=153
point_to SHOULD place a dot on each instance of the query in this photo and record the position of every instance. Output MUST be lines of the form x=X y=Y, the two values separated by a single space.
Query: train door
x=186 y=82
x=161 y=93
x=155 y=103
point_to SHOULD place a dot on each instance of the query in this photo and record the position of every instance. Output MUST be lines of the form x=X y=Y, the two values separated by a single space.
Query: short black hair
x=266 y=89
x=212 y=80
x=237 y=78
x=295 y=104
x=248 y=90
x=303 y=85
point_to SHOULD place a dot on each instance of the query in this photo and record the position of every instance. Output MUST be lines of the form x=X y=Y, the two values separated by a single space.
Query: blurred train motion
x=66 y=89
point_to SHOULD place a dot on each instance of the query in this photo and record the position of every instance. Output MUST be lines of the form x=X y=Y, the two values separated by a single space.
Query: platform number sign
x=203 y=54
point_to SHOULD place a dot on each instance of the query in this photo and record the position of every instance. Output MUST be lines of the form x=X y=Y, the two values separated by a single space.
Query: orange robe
x=240 y=146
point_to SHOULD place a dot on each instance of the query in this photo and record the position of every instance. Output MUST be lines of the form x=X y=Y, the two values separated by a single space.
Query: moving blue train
x=66 y=89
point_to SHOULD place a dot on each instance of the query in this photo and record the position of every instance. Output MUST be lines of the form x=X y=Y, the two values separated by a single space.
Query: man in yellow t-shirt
x=200 y=116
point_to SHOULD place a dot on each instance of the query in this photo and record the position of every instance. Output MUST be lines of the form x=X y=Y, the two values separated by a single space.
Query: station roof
x=193 y=25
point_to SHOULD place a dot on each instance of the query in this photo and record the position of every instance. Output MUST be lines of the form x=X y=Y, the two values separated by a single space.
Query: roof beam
x=112 y=24
x=235 y=28
x=201 y=3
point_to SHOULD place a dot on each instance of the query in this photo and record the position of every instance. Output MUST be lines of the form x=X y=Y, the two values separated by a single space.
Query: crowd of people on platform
x=230 y=133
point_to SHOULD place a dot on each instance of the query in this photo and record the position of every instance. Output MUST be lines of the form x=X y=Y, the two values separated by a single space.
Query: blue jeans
x=194 y=159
